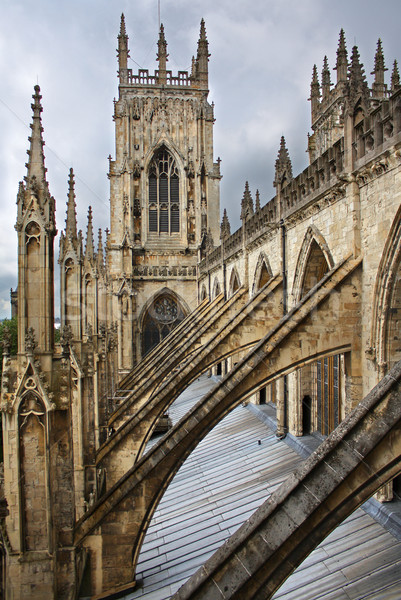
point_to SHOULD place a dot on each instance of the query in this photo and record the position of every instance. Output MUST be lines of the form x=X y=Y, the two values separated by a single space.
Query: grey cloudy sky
x=262 y=55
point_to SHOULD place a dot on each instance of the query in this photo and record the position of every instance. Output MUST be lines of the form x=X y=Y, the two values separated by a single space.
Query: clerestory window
x=164 y=184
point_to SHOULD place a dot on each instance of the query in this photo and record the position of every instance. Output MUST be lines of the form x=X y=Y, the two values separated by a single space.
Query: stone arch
x=235 y=282
x=314 y=260
x=318 y=385
x=161 y=314
x=263 y=273
x=33 y=467
x=203 y=293
x=386 y=321
x=216 y=288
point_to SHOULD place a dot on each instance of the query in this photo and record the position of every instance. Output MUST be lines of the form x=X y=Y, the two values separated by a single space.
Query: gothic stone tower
x=164 y=195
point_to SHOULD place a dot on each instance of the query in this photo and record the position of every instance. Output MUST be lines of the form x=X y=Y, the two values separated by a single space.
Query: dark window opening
x=164 y=194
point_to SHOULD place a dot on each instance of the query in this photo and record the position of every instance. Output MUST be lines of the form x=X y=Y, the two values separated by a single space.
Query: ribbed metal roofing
x=224 y=480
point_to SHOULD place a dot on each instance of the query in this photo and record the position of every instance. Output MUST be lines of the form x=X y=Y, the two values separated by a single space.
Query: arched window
x=162 y=316
x=164 y=186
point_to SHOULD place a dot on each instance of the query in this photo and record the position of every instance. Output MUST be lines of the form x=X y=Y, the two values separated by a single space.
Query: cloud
x=262 y=54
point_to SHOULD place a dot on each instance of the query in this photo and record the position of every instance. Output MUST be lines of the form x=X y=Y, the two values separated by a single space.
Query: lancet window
x=164 y=184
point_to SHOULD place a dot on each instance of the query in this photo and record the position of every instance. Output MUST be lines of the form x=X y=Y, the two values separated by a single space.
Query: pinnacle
x=342 y=48
x=356 y=70
x=202 y=31
x=379 y=59
x=122 y=26
x=36 y=162
x=71 y=220
x=99 y=256
x=315 y=87
x=342 y=59
x=395 y=76
x=89 y=248
x=283 y=163
x=225 y=228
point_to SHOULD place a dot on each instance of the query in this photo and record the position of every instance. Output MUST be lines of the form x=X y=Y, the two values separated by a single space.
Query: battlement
x=143 y=77
x=198 y=78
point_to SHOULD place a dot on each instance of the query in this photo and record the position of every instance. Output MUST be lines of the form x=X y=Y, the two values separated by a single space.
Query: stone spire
x=326 y=83
x=122 y=51
x=100 y=256
x=36 y=163
x=395 y=77
x=379 y=87
x=71 y=220
x=225 y=227
x=90 y=246
x=342 y=59
x=246 y=204
x=357 y=84
x=162 y=55
x=314 y=93
x=202 y=58
x=257 y=201
x=283 y=173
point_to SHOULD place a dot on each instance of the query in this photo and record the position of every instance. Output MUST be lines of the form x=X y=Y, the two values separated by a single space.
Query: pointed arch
x=216 y=288
x=203 y=294
x=164 y=181
x=235 y=282
x=386 y=321
x=160 y=315
x=263 y=273
x=314 y=260
x=33 y=471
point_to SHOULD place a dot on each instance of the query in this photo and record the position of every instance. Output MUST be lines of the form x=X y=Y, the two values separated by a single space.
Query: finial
x=357 y=83
x=162 y=56
x=342 y=59
x=100 y=257
x=379 y=87
x=246 y=204
x=395 y=77
x=36 y=163
x=257 y=201
x=326 y=83
x=202 y=57
x=225 y=227
x=122 y=51
x=71 y=220
x=283 y=173
x=315 y=86
x=356 y=70
x=122 y=26
x=89 y=247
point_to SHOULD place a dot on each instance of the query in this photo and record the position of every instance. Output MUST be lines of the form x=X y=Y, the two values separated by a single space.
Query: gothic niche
x=32 y=297
x=163 y=315
x=32 y=442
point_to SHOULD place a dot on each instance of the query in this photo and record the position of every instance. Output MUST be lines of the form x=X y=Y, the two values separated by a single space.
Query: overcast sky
x=262 y=55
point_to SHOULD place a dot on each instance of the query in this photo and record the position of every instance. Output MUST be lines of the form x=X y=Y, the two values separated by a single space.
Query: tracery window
x=164 y=184
x=163 y=315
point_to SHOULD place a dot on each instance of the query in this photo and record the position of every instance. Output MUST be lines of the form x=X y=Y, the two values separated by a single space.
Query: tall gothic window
x=164 y=184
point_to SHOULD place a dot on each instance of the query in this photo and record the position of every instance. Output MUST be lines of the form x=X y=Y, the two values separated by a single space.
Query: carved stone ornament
x=66 y=337
x=136 y=169
x=6 y=341
x=165 y=310
x=30 y=343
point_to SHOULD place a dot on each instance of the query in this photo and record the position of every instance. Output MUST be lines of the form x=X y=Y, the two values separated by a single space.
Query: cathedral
x=296 y=311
